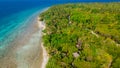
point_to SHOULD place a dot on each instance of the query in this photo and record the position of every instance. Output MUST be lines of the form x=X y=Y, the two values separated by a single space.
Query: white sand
x=41 y=25
x=45 y=57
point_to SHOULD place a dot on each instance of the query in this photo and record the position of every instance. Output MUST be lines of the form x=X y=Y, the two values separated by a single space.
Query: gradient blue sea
x=13 y=16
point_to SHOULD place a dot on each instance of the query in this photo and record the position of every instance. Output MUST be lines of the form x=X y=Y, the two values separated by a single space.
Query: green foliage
x=90 y=30
x=116 y=64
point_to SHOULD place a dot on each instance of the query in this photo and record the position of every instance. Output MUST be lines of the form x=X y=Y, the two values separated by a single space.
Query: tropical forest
x=82 y=35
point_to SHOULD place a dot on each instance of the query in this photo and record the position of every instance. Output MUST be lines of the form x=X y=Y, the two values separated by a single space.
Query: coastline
x=45 y=56
x=12 y=55
x=25 y=51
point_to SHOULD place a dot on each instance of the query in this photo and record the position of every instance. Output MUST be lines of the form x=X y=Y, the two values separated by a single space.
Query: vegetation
x=83 y=35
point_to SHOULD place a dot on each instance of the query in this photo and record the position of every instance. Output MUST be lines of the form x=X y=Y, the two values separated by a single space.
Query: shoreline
x=25 y=51
x=45 y=56
x=12 y=55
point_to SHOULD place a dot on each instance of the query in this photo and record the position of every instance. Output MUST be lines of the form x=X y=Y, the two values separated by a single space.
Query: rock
x=76 y=55
x=79 y=44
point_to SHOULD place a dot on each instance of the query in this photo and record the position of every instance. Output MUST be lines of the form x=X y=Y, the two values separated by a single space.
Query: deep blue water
x=11 y=7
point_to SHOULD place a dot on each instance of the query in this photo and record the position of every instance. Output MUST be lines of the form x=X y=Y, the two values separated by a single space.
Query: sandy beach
x=41 y=25
x=27 y=51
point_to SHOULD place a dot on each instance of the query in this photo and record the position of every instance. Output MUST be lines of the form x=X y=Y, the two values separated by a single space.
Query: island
x=82 y=35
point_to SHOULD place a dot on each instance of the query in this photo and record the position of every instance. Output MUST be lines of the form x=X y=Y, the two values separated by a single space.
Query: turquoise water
x=14 y=25
x=15 y=34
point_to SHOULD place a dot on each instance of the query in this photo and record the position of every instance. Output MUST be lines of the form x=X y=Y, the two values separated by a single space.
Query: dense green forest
x=83 y=35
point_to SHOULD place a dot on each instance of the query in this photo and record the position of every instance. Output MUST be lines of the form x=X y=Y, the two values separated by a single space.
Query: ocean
x=19 y=36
